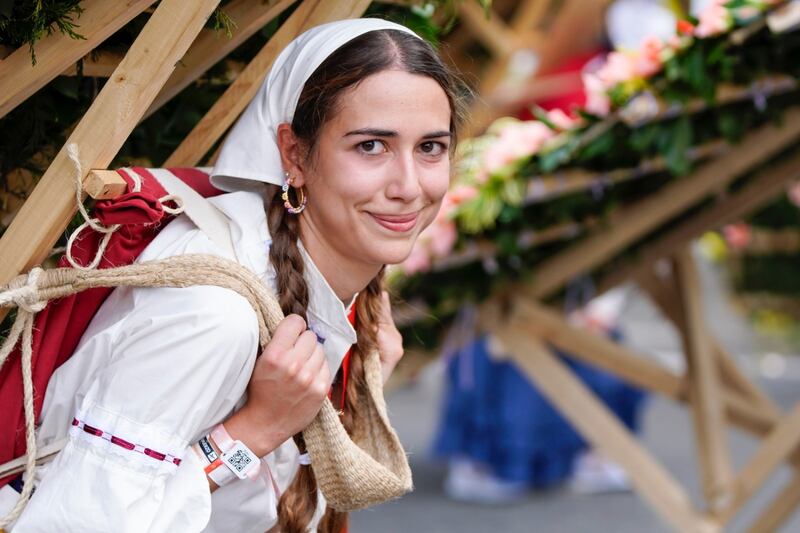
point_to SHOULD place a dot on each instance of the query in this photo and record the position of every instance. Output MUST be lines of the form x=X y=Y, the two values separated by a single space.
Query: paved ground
x=667 y=434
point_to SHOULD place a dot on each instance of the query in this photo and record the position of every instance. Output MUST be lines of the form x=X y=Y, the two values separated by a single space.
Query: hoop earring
x=300 y=193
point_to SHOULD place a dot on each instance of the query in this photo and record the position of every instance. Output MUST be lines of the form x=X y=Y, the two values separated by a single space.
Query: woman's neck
x=344 y=274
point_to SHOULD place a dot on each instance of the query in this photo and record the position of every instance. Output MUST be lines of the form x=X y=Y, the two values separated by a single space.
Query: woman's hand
x=390 y=342
x=290 y=381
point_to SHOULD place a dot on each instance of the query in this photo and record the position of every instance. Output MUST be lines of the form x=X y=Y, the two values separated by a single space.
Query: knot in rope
x=26 y=297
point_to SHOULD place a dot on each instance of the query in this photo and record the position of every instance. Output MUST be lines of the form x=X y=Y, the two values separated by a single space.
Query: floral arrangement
x=497 y=170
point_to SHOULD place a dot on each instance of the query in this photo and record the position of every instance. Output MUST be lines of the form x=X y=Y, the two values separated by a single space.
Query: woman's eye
x=433 y=148
x=372 y=147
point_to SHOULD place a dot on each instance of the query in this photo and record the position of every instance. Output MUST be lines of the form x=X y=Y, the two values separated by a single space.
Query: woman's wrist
x=243 y=427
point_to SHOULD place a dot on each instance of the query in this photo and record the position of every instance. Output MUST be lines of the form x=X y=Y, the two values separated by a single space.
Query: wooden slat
x=529 y=15
x=655 y=210
x=623 y=363
x=704 y=386
x=488 y=28
x=104 y=184
x=775 y=449
x=101 y=132
x=763 y=187
x=781 y=508
x=56 y=52
x=211 y=46
x=99 y=65
x=230 y=105
x=600 y=427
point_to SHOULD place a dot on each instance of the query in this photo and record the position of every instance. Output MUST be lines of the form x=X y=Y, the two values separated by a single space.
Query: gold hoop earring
x=302 y=198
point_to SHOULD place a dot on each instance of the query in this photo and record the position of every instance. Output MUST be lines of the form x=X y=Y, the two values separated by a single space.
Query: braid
x=285 y=256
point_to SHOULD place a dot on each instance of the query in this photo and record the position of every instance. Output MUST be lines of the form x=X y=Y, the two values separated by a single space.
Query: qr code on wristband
x=239 y=460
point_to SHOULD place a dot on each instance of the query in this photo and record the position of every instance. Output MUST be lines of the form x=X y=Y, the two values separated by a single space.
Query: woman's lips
x=398 y=223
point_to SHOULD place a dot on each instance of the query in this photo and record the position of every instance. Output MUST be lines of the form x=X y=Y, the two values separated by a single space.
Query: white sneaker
x=469 y=481
x=596 y=474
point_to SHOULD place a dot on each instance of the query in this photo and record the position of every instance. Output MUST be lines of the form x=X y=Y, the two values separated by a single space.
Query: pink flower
x=738 y=235
x=455 y=197
x=417 y=261
x=648 y=60
x=714 y=19
x=561 y=120
x=618 y=68
x=794 y=194
x=442 y=236
x=597 y=100
x=515 y=141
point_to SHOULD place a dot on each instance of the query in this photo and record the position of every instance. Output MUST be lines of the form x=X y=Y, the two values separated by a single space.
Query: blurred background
x=621 y=237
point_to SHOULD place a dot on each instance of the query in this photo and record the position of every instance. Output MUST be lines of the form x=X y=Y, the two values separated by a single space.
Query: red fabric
x=59 y=327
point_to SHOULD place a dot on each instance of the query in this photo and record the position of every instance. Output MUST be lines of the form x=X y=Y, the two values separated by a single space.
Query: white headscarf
x=250 y=153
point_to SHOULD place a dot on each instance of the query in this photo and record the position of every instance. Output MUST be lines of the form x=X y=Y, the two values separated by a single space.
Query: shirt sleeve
x=180 y=361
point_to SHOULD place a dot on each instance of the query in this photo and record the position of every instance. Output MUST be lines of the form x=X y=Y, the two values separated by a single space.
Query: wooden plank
x=775 y=449
x=211 y=46
x=55 y=53
x=597 y=350
x=604 y=430
x=97 y=65
x=663 y=295
x=641 y=218
x=704 y=386
x=101 y=132
x=623 y=363
x=529 y=15
x=781 y=508
x=488 y=27
x=225 y=111
x=104 y=184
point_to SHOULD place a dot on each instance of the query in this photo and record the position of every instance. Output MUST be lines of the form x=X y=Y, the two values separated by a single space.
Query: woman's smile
x=398 y=223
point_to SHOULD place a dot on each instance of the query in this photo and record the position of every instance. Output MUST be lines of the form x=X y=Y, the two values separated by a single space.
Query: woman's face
x=380 y=168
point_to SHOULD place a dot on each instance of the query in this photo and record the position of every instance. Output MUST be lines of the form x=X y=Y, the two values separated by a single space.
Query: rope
x=350 y=477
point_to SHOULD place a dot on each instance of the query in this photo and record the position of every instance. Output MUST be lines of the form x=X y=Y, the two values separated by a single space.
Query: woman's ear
x=292 y=154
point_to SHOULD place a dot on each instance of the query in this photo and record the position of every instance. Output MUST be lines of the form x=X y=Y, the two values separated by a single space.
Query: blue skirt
x=493 y=415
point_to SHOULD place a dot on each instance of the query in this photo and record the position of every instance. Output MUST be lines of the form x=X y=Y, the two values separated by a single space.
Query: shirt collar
x=327 y=314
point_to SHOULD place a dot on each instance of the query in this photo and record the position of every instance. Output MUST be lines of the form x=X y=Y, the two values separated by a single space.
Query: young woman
x=356 y=121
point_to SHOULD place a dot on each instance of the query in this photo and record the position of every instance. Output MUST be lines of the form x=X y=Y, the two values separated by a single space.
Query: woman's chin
x=393 y=254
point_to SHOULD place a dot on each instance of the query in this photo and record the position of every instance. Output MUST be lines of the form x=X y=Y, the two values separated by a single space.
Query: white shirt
x=159 y=368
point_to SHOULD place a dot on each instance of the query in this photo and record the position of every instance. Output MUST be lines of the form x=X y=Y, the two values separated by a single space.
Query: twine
x=352 y=474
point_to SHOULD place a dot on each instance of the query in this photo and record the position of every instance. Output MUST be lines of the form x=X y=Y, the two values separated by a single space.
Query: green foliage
x=27 y=21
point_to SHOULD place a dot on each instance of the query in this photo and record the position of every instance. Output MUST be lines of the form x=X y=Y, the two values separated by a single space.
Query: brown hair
x=363 y=56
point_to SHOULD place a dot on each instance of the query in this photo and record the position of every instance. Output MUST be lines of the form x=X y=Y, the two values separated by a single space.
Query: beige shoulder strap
x=205 y=215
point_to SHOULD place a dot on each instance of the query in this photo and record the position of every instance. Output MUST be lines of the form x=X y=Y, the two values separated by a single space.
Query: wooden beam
x=646 y=215
x=225 y=111
x=529 y=15
x=703 y=377
x=489 y=28
x=763 y=187
x=101 y=132
x=623 y=363
x=600 y=427
x=19 y=79
x=104 y=184
x=775 y=449
x=781 y=508
x=211 y=46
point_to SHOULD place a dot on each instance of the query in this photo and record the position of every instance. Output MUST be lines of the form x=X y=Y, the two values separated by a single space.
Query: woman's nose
x=405 y=180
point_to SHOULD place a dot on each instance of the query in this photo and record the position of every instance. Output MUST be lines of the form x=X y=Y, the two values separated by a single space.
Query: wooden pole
x=657 y=209
x=230 y=105
x=705 y=387
x=101 y=132
x=19 y=79
x=781 y=508
x=600 y=427
x=211 y=46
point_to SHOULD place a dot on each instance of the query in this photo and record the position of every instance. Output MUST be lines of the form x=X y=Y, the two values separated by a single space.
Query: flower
x=684 y=27
x=515 y=141
x=561 y=120
x=648 y=60
x=737 y=235
x=714 y=19
x=618 y=68
x=794 y=194
x=597 y=100
x=417 y=261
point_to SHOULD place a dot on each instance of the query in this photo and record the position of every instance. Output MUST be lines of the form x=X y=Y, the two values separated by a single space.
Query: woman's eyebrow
x=376 y=132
